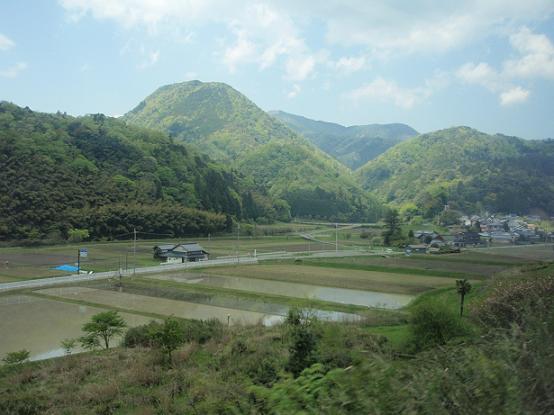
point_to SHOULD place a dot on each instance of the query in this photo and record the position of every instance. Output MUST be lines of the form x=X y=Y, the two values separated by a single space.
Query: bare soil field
x=332 y=277
x=426 y=263
x=542 y=252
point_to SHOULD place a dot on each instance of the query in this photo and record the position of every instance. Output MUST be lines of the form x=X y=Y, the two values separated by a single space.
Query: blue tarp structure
x=65 y=267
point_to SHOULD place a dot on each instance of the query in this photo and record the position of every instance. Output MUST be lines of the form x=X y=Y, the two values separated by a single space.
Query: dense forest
x=466 y=169
x=221 y=121
x=353 y=146
x=311 y=189
x=60 y=172
x=225 y=124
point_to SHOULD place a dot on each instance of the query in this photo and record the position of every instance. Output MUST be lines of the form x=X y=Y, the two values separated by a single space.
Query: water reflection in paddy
x=39 y=324
x=333 y=294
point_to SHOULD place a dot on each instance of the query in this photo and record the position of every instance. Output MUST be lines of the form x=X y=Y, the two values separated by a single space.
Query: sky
x=487 y=64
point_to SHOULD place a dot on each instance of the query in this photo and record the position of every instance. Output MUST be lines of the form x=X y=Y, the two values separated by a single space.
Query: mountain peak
x=353 y=145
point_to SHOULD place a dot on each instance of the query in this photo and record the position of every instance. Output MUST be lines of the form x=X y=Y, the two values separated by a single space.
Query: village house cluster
x=489 y=230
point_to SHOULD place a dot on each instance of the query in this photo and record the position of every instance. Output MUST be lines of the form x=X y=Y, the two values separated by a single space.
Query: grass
x=217 y=375
x=384 y=268
x=37 y=262
x=397 y=335
x=401 y=283
x=152 y=287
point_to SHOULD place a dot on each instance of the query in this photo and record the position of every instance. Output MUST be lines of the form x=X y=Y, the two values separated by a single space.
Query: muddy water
x=336 y=295
x=239 y=310
x=39 y=324
x=164 y=306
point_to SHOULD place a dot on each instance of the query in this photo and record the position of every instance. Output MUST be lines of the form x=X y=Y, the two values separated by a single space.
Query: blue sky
x=430 y=64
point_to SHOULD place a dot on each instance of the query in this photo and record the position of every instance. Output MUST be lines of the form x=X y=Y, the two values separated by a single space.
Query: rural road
x=45 y=282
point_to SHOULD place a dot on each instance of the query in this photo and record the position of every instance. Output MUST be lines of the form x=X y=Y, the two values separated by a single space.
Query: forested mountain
x=227 y=126
x=353 y=146
x=467 y=169
x=60 y=172
x=221 y=121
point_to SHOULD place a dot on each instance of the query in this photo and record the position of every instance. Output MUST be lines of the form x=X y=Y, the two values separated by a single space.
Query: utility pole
x=78 y=260
x=134 y=250
x=336 y=237
x=238 y=242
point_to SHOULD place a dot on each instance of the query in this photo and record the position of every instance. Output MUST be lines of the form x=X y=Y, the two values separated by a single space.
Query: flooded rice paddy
x=239 y=311
x=40 y=324
x=162 y=306
x=332 y=294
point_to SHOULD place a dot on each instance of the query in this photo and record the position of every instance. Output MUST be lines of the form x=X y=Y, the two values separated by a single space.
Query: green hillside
x=353 y=146
x=218 y=119
x=60 y=172
x=226 y=125
x=312 y=185
x=468 y=170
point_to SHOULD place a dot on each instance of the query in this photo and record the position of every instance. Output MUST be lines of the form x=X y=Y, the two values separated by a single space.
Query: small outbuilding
x=416 y=249
x=185 y=252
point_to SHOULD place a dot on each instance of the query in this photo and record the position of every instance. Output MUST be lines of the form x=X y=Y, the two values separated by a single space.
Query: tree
x=304 y=336
x=78 y=235
x=463 y=287
x=392 y=226
x=102 y=326
x=16 y=358
x=432 y=323
x=68 y=345
x=168 y=336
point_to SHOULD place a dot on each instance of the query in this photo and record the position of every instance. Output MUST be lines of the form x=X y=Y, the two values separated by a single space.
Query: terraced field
x=337 y=277
x=375 y=288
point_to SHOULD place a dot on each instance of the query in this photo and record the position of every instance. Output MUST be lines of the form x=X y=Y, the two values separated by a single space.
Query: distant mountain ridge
x=466 y=169
x=353 y=146
x=224 y=124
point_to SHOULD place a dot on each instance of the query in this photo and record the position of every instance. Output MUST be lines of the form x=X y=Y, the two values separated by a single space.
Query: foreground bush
x=191 y=330
x=434 y=323
x=513 y=301
x=507 y=369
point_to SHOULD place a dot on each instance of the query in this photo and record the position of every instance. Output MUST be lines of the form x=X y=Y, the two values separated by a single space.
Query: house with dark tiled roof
x=185 y=252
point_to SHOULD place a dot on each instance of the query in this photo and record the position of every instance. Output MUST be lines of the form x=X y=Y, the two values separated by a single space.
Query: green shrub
x=304 y=335
x=16 y=358
x=511 y=301
x=192 y=330
x=433 y=323
x=139 y=336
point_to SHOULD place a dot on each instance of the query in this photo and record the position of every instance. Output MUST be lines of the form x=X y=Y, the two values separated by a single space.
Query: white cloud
x=514 y=95
x=294 y=91
x=299 y=68
x=350 y=64
x=537 y=55
x=497 y=82
x=272 y=32
x=536 y=60
x=480 y=74
x=151 y=58
x=190 y=76
x=13 y=71
x=420 y=25
x=242 y=51
x=5 y=42
x=388 y=91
